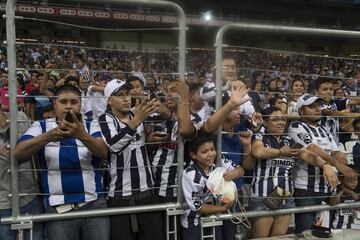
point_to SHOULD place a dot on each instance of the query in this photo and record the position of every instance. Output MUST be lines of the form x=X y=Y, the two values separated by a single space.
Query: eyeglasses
x=278 y=119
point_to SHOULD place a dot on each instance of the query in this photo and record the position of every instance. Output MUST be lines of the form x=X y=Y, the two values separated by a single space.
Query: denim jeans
x=305 y=221
x=84 y=228
x=33 y=207
x=258 y=204
x=194 y=232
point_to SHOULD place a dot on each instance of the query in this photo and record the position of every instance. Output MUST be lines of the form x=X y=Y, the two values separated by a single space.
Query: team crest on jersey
x=305 y=137
x=286 y=141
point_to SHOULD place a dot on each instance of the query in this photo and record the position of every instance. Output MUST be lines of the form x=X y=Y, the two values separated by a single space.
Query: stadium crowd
x=102 y=126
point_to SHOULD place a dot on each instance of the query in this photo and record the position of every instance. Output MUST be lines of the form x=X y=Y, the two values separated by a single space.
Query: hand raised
x=238 y=93
x=146 y=107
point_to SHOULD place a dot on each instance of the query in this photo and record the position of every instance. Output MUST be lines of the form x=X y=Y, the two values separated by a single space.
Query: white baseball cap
x=306 y=100
x=114 y=86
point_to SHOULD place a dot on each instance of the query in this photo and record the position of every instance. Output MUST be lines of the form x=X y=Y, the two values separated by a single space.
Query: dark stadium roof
x=326 y=13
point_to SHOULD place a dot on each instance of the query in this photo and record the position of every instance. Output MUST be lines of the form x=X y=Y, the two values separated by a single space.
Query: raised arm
x=44 y=83
x=238 y=93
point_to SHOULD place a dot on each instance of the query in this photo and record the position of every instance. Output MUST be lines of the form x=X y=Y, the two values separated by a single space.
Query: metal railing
x=172 y=209
x=264 y=28
x=22 y=222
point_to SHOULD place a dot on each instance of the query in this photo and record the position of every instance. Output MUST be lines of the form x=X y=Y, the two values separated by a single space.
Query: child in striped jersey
x=331 y=107
x=343 y=218
x=199 y=199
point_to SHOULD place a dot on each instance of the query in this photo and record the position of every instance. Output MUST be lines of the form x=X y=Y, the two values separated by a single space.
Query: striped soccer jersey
x=269 y=173
x=343 y=218
x=85 y=73
x=164 y=159
x=306 y=176
x=195 y=191
x=71 y=175
x=130 y=171
x=331 y=123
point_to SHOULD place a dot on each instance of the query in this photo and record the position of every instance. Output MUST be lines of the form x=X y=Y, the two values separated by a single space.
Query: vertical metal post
x=263 y=28
x=11 y=58
x=182 y=61
x=218 y=87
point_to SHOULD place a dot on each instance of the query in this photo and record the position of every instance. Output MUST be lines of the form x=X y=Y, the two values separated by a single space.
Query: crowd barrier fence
x=21 y=222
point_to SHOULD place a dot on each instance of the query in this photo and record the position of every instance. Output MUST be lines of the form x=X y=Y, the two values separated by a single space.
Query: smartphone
x=70 y=119
x=296 y=146
x=153 y=95
x=161 y=134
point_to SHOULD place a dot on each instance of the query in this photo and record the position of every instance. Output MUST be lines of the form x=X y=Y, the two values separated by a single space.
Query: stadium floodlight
x=207 y=16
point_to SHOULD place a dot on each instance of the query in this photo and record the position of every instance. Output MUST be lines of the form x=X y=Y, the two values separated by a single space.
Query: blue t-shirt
x=233 y=149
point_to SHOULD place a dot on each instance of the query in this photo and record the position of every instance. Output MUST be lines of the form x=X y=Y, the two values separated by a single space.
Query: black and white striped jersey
x=269 y=173
x=130 y=169
x=332 y=123
x=306 y=176
x=85 y=73
x=164 y=159
x=343 y=218
x=195 y=191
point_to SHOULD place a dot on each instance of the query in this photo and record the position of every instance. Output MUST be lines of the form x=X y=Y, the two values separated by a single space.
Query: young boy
x=197 y=196
x=324 y=88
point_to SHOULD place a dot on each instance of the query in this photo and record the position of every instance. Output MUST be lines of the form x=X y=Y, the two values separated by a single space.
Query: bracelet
x=279 y=152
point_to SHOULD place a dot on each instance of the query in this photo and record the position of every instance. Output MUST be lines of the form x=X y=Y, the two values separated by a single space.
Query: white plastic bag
x=226 y=192
x=223 y=190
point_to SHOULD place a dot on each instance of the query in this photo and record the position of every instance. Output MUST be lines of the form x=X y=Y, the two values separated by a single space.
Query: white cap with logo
x=306 y=100
x=114 y=86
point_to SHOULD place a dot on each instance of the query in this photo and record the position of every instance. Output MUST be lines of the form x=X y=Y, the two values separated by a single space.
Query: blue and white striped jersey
x=306 y=176
x=130 y=171
x=71 y=175
x=269 y=173
x=195 y=191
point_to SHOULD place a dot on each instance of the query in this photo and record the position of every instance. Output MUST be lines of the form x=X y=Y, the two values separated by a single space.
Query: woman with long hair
x=296 y=90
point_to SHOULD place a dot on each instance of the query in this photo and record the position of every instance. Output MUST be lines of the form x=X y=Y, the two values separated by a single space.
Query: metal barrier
x=25 y=222
x=263 y=28
x=16 y=221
